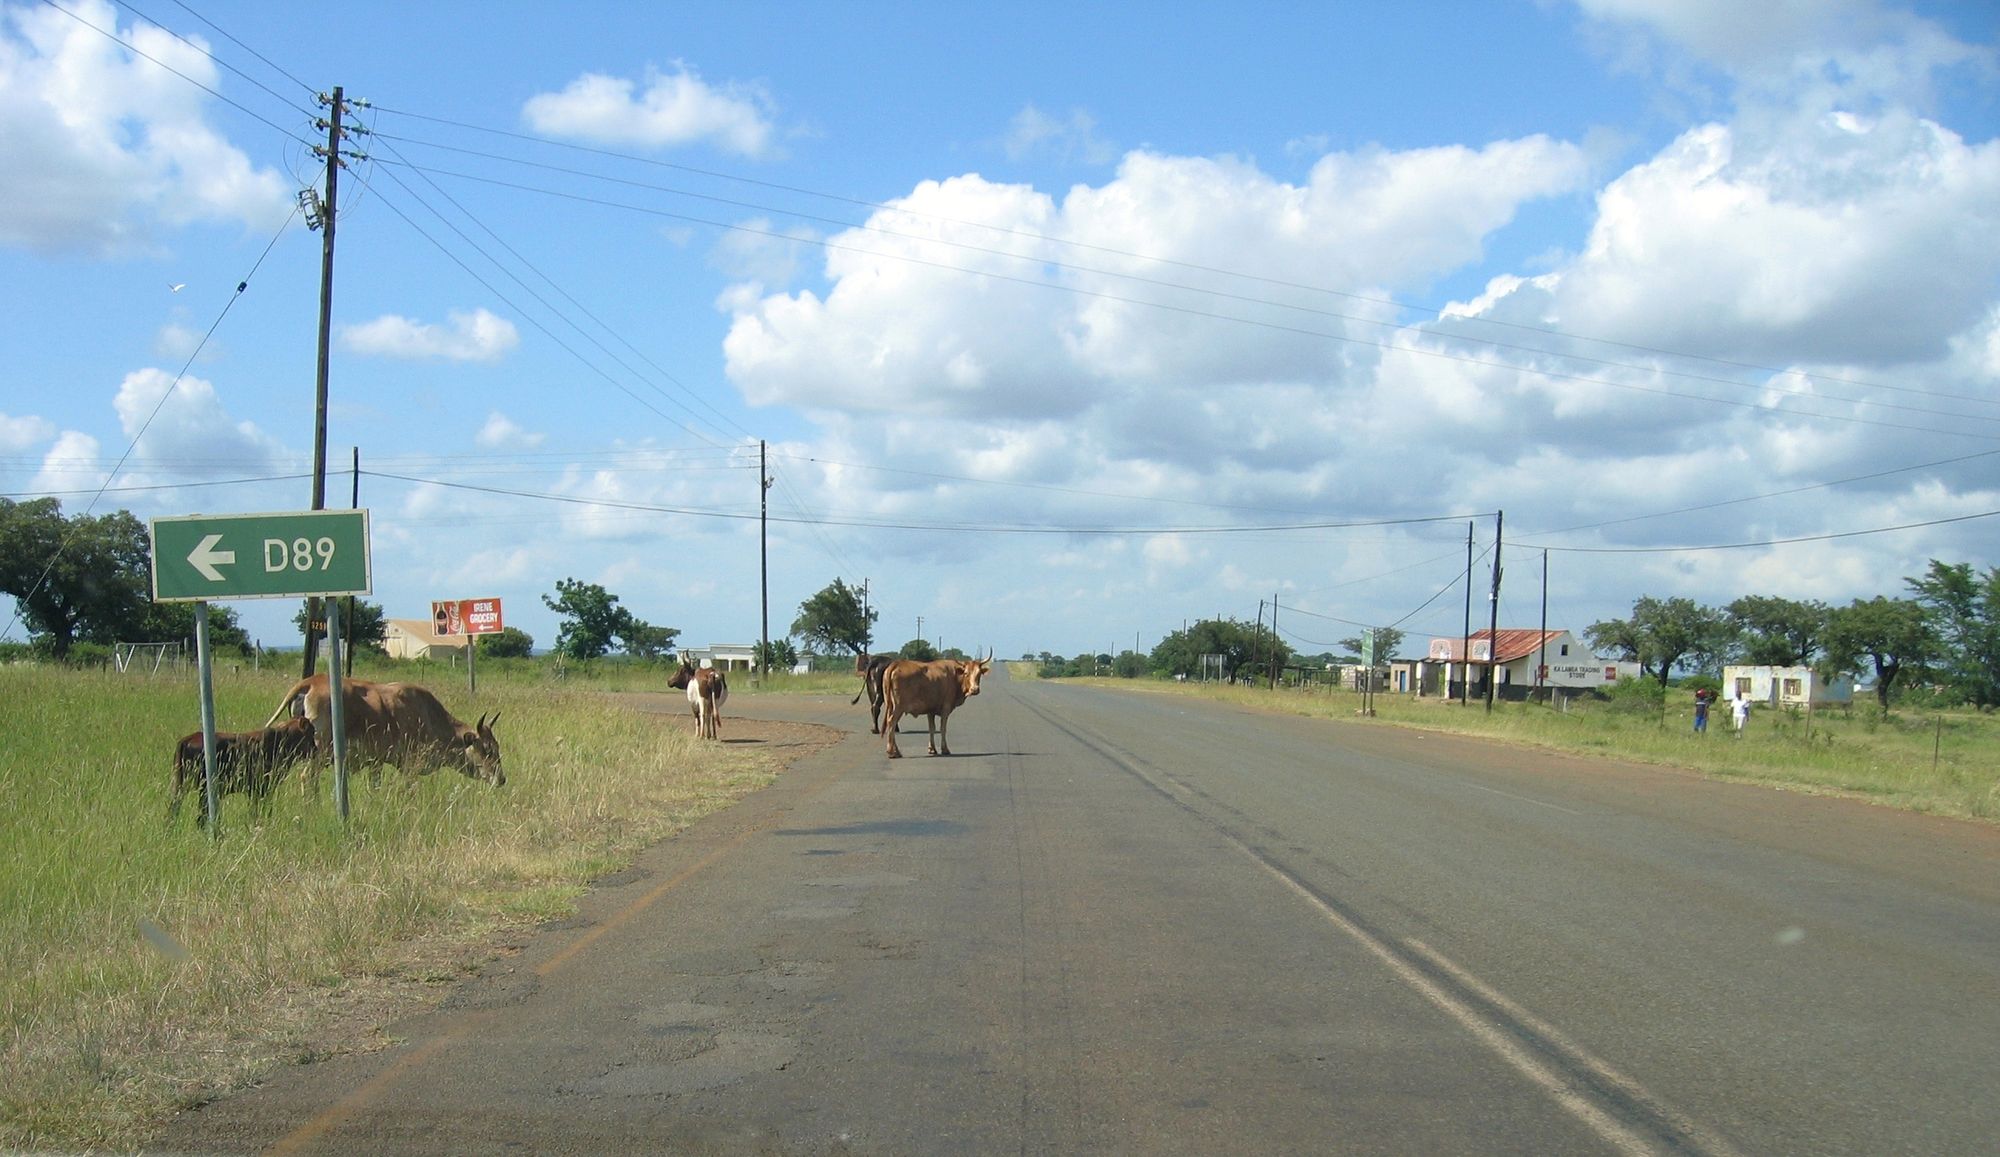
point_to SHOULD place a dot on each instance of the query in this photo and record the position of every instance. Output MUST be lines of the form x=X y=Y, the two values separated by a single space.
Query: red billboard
x=466 y=617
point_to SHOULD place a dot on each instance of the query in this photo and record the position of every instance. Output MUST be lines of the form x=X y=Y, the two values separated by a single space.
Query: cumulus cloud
x=668 y=109
x=24 y=432
x=475 y=336
x=105 y=146
x=502 y=433
x=179 y=432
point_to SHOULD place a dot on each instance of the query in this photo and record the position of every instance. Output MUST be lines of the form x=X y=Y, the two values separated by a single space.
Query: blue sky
x=1064 y=324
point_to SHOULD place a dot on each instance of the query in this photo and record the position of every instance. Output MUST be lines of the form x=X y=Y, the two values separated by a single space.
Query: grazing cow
x=707 y=690
x=870 y=668
x=929 y=689
x=251 y=762
x=399 y=723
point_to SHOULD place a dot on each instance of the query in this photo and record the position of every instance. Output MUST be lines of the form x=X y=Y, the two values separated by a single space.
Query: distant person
x=1740 y=710
x=1702 y=697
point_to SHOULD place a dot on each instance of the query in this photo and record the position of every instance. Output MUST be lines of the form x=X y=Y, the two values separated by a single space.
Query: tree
x=1240 y=644
x=1388 y=640
x=1129 y=665
x=1778 y=632
x=918 y=649
x=78 y=579
x=834 y=620
x=1891 y=632
x=174 y=622
x=779 y=655
x=594 y=624
x=1962 y=609
x=1661 y=633
x=362 y=625
x=507 y=643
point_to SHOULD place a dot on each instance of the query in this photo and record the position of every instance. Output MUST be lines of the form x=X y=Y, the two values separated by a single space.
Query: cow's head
x=479 y=752
x=684 y=675
x=970 y=671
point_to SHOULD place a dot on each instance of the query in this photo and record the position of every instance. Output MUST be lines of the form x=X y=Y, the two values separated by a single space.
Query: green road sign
x=260 y=556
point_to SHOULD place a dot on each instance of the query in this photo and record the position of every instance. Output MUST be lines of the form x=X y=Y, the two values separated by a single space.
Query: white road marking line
x=1525 y=799
x=1548 y=1032
x=1572 y=1100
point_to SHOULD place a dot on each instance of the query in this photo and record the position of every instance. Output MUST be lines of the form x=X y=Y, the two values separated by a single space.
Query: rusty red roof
x=1510 y=643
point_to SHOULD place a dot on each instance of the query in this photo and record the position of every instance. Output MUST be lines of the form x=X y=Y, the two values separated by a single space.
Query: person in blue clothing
x=1702 y=698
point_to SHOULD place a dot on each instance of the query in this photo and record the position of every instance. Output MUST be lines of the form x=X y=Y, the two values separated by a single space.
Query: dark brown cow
x=251 y=762
x=870 y=668
x=707 y=690
x=399 y=723
x=928 y=689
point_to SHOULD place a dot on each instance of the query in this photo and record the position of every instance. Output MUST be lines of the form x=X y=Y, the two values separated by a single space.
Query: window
x=1795 y=689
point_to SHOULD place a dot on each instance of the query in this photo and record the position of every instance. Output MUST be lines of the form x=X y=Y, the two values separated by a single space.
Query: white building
x=1517 y=654
x=417 y=639
x=1787 y=687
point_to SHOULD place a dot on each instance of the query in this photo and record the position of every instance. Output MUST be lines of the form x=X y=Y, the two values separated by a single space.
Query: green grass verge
x=145 y=967
x=1944 y=763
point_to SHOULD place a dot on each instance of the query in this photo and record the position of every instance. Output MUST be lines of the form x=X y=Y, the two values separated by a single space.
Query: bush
x=1636 y=697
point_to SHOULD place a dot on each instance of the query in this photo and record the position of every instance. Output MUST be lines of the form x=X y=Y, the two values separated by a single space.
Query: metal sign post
x=261 y=556
x=210 y=790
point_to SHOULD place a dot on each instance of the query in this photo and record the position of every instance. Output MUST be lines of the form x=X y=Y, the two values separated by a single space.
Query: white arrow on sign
x=204 y=558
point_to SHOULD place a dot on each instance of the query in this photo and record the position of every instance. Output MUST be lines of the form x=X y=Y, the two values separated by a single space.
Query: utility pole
x=1274 y=641
x=1542 y=666
x=1465 y=642
x=1257 y=640
x=1493 y=622
x=325 y=215
x=764 y=554
x=867 y=624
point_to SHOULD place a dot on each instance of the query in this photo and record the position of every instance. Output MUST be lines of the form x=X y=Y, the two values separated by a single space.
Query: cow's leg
x=890 y=716
x=931 y=732
x=944 y=747
x=715 y=719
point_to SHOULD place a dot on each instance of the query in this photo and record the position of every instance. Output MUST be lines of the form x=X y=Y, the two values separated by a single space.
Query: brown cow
x=929 y=689
x=251 y=762
x=707 y=690
x=870 y=668
x=399 y=723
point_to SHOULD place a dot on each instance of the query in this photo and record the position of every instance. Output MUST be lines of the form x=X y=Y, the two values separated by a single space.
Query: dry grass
x=145 y=967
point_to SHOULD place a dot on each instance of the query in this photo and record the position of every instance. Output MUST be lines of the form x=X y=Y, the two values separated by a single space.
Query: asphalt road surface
x=1119 y=923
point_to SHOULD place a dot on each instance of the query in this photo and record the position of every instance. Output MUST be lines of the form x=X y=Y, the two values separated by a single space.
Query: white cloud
x=23 y=433
x=1073 y=137
x=501 y=433
x=476 y=336
x=104 y=146
x=676 y=108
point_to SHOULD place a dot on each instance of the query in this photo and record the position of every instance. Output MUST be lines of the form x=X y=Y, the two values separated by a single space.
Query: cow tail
x=285 y=704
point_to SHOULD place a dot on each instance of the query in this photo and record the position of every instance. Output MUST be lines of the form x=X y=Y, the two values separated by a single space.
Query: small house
x=1787 y=686
x=418 y=639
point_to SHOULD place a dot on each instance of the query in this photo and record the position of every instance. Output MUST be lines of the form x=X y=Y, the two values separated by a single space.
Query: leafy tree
x=78 y=579
x=1892 y=633
x=507 y=643
x=1129 y=665
x=1388 y=640
x=835 y=620
x=363 y=622
x=1242 y=645
x=781 y=655
x=642 y=640
x=1663 y=632
x=1778 y=632
x=918 y=649
x=591 y=618
x=174 y=622
x=1963 y=610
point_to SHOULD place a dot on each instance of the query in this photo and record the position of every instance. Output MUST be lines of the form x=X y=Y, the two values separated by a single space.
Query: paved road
x=1137 y=924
